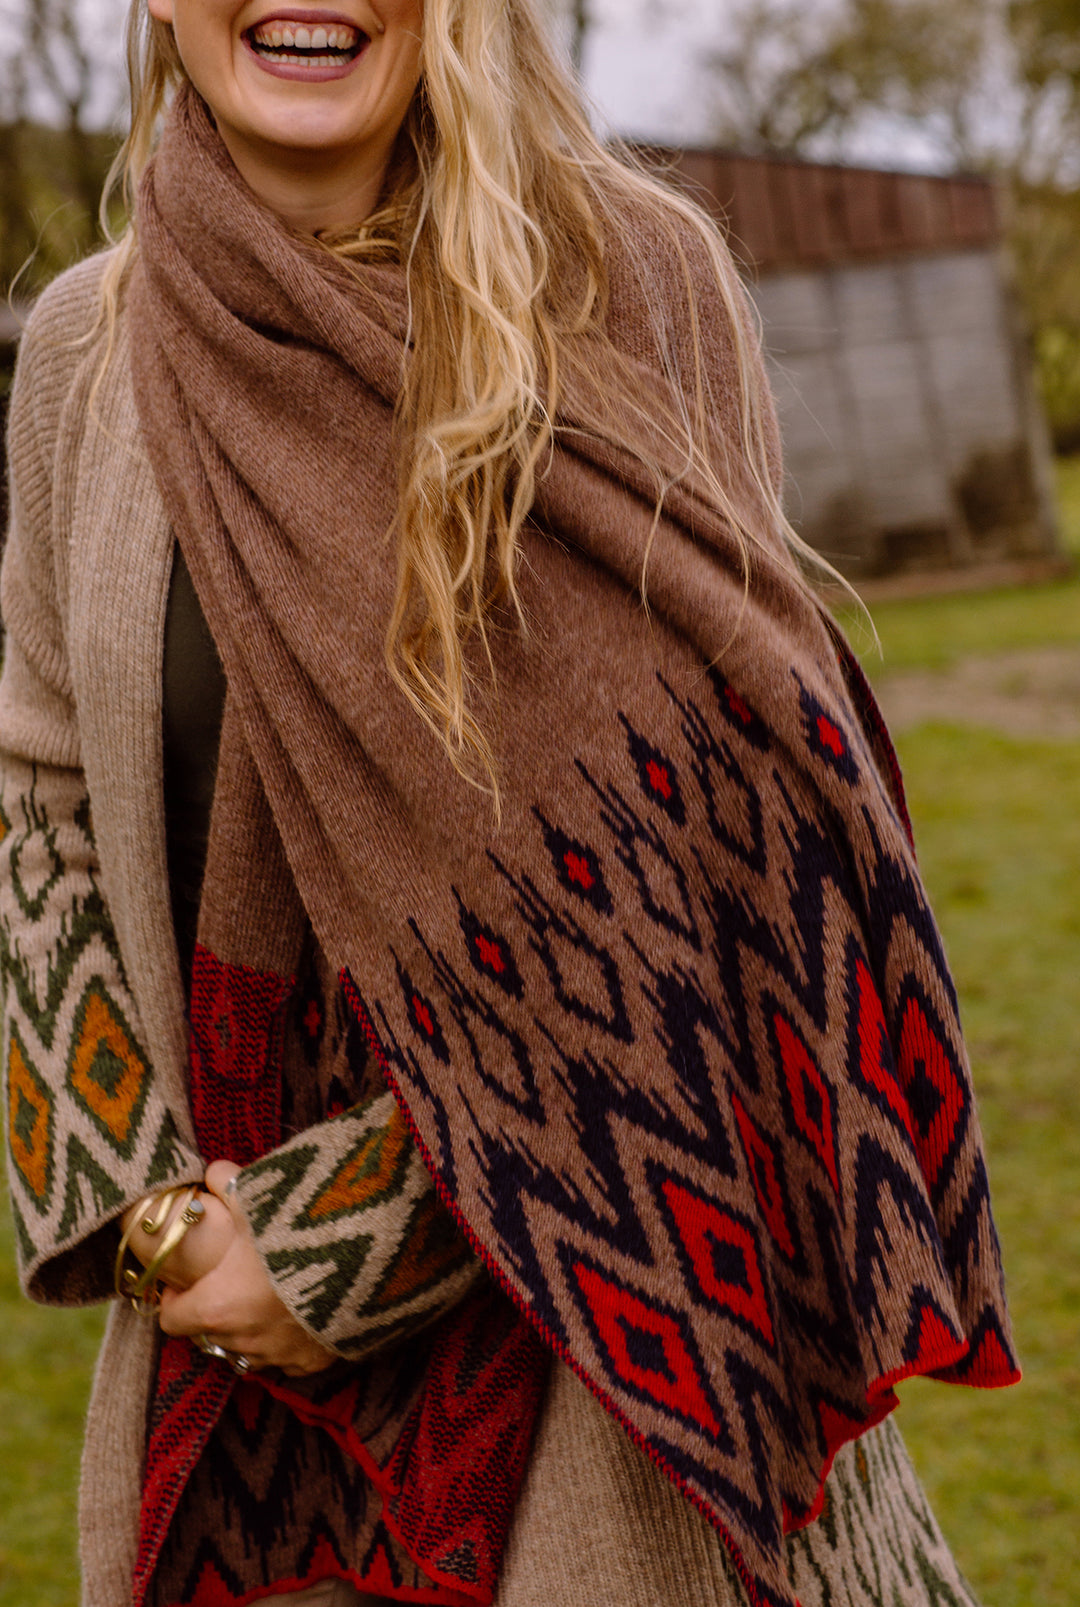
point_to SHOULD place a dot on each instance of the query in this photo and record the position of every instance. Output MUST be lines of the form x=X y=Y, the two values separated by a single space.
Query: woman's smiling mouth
x=315 y=47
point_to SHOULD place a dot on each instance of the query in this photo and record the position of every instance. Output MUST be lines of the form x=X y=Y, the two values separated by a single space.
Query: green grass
x=47 y=1362
x=998 y=830
x=998 y=825
x=934 y=632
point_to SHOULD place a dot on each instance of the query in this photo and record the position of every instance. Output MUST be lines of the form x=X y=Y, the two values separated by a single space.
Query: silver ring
x=240 y=1365
x=208 y=1348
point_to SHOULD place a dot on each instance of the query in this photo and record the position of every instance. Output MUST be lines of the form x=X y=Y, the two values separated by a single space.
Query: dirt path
x=1035 y=693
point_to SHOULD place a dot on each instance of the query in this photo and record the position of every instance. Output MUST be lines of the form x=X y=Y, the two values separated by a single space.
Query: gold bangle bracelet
x=150 y=1225
x=140 y=1289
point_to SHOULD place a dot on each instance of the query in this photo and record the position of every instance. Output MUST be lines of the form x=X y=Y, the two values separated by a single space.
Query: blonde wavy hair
x=498 y=203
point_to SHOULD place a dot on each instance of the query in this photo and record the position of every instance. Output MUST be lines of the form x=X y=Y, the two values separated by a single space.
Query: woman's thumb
x=220 y=1180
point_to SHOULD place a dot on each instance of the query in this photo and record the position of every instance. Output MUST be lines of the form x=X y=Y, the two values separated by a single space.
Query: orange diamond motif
x=433 y=1249
x=30 y=1124
x=374 y=1169
x=107 y=1068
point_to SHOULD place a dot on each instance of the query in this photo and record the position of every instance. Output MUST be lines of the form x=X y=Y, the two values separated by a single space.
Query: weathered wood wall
x=912 y=434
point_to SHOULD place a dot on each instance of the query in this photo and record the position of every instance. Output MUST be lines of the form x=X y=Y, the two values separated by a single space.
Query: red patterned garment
x=399 y=1474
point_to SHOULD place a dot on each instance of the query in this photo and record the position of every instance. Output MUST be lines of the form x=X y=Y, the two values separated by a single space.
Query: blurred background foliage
x=56 y=142
x=995 y=83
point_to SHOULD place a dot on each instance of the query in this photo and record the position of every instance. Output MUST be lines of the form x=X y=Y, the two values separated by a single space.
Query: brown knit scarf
x=676 y=1038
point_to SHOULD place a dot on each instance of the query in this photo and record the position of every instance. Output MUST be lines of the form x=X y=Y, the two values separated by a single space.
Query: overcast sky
x=644 y=71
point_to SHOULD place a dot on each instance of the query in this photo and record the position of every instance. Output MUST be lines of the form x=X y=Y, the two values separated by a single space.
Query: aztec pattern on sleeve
x=344 y=1212
x=352 y=1232
x=86 y=1136
x=359 y=1246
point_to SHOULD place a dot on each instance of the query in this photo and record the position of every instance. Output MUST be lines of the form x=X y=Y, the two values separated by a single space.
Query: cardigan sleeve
x=88 y=1133
x=351 y=1232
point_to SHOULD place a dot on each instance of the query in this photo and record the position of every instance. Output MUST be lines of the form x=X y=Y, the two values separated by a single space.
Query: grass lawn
x=998 y=826
x=998 y=829
x=47 y=1358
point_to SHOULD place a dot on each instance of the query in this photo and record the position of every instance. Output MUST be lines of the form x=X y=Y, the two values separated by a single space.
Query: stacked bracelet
x=152 y=1223
x=141 y=1286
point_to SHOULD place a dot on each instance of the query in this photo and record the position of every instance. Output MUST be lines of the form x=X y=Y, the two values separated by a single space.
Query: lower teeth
x=306 y=61
x=310 y=58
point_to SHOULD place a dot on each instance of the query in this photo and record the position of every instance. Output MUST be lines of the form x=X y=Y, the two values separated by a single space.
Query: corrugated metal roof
x=782 y=213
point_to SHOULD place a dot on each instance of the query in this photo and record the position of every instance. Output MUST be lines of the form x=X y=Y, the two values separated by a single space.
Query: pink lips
x=299 y=71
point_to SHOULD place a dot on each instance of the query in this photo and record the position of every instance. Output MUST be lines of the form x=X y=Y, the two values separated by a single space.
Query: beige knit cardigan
x=84 y=591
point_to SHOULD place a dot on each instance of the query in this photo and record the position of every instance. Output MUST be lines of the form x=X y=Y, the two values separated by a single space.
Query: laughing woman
x=469 y=993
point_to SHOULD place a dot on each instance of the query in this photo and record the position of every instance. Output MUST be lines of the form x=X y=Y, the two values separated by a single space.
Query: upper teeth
x=292 y=36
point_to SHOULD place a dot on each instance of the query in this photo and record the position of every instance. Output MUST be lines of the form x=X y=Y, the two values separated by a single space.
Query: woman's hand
x=234 y=1304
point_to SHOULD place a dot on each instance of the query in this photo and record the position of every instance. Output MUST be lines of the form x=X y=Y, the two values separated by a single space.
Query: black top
x=193 y=702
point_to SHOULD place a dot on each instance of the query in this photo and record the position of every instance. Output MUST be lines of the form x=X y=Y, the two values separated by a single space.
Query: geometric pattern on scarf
x=844 y=1162
x=676 y=1037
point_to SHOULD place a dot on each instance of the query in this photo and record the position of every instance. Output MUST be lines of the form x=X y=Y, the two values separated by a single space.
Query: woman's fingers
x=219 y=1174
x=202 y=1247
x=236 y=1306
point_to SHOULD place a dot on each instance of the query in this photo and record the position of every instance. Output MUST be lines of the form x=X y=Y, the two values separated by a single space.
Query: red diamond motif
x=737 y=706
x=702 y=1226
x=577 y=870
x=676 y=1384
x=875 y=1055
x=802 y=1075
x=490 y=954
x=761 y=1159
x=659 y=780
x=830 y=736
x=922 y=1056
